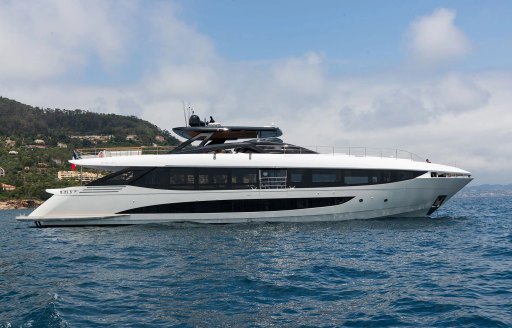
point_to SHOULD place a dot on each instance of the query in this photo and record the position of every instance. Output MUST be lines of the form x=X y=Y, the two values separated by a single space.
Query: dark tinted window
x=357 y=177
x=182 y=178
x=212 y=178
x=326 y=176
x=241 y=205
x=123 y=177
x=156 y=178
x=244 y=178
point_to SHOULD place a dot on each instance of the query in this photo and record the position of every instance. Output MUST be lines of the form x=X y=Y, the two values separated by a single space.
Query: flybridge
x=218 y=134
x=213 y=137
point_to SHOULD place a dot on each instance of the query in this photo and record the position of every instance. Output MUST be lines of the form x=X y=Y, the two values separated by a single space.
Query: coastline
x=19 y=204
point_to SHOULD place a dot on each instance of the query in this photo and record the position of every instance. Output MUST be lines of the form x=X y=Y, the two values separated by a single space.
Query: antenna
x=190 y=110
x=184 y=113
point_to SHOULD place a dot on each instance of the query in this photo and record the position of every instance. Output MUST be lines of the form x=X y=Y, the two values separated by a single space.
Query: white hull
x=89 y=205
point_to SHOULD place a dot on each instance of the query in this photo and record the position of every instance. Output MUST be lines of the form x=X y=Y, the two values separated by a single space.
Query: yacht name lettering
x=68 y=192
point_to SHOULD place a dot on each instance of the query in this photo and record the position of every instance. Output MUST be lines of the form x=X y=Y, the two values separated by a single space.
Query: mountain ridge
x=25 y=123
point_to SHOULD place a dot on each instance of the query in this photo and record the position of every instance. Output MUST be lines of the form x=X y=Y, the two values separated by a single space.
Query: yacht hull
x=125 y=205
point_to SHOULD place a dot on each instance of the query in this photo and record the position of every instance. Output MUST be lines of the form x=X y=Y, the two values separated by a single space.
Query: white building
x=6 y=187
x=10 y=143
x=77 y=175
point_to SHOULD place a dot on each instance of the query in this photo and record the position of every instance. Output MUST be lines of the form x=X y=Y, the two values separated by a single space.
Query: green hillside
x=32 y=171
x=37 y=143
x=24 y=124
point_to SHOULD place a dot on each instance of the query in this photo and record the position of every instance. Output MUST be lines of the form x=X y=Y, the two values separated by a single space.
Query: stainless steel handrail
x=347 y=151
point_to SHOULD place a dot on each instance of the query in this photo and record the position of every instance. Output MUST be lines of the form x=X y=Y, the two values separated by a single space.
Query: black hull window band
x=240 y=205
x=178 y=178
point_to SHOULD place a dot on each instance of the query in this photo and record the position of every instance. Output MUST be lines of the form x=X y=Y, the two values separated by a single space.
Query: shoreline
x=19 y=204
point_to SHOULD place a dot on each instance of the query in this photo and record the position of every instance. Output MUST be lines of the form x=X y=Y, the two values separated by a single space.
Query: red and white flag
x=75 y=157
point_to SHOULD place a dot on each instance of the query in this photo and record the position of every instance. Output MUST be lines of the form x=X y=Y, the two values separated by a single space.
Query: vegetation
x=32 y=169
x=24 y=124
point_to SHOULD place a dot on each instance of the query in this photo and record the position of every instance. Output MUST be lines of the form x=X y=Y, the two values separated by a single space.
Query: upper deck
x=214 y=138
x=218 y=132
x=390 y=153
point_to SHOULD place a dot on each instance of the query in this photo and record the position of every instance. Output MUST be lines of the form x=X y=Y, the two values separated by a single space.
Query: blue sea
x=454 y=269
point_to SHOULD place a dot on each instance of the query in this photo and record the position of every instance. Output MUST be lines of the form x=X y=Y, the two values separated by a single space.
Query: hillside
x=35 y=144
x=24 y=124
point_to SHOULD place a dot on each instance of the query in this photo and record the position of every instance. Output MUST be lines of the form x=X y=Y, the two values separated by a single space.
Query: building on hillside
x=39 y=142
x=77 y=176
x=94 y=138
x=42 y=167
x=132 y=137
x=10 y=143
x=62 y=145
x=159 y=138
x=13 y=152
x=2 y=172
x=38 y=146
x=6 y=187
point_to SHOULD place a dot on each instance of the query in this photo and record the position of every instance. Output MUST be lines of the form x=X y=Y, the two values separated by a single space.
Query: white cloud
x=300 y=75
x=174 y=41
x=394 y=109
x=407 y=103
x=434 y=39
x=47 y=39
x=457 y=93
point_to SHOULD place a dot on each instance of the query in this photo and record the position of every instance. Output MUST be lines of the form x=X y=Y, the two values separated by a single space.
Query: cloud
x=47 y=39
x=434 y=39
x=171 y=40
x=300 y=75
x=398 y=108
x=420 y=102
x=457 y=93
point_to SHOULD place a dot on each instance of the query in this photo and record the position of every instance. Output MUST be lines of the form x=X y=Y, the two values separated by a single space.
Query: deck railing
x=346 y=151
x=368 y=152
x=123 y=151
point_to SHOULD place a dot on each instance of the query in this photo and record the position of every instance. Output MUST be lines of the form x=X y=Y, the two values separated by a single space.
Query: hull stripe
x=240 y=205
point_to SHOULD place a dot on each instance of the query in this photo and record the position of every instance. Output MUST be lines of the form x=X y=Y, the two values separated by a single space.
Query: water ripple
x=451 y=270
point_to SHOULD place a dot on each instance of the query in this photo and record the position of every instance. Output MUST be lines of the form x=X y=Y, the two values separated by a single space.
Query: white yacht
x=243 y=174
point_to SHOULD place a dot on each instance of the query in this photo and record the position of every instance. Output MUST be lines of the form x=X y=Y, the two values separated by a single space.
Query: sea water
x=454 y=269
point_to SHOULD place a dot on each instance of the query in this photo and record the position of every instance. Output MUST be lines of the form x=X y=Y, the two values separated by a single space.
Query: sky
x=430 y=77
